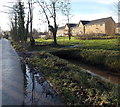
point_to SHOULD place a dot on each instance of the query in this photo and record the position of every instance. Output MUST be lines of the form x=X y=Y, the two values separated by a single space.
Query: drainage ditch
x=103 y=74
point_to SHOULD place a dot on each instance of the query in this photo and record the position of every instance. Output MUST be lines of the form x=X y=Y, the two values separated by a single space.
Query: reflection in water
x=103 y=74
x=38 y=91
x=33 y=88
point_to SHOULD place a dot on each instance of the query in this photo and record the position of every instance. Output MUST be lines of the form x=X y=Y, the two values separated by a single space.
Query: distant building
x=117 y=28
x=68 y=27
x=60 y=31
x=80 y=28
x=101 y=26
x=50 y=34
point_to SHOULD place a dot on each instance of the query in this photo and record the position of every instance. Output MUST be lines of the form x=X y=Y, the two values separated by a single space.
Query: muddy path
x=38 y=91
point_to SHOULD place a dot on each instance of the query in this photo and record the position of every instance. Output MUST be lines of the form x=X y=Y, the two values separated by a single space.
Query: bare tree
x=21 y=21
x=50 y=10
x=118 y=8
x=27 y=26
x=14 y=23
x=66 y=10
x=30 y=3
x=17 y=21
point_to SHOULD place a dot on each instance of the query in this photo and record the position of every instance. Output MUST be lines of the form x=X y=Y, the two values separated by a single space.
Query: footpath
x=11 y=76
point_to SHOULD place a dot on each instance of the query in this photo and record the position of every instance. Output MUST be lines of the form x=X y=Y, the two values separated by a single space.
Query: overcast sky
x=81 y=10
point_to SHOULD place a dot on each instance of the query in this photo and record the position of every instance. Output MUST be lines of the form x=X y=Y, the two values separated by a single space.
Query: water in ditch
x=38 y=91
x=102 y=74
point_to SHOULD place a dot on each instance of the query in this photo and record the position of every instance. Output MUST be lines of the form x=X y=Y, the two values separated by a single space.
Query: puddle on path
x=38 y=91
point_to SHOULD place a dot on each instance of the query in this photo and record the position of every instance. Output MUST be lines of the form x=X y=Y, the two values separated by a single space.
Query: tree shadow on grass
x=39 y=46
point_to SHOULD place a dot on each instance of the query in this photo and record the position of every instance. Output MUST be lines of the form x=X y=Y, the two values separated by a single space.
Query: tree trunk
x=54 y=36
x=55 y=25
x=32 y=41
x=27 y=28
x=69 y=33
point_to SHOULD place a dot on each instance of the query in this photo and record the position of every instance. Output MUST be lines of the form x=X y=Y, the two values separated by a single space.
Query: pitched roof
x=72 y=25
x=62 y=27
x=117 y=24
x=84 y=22
x=98 y=21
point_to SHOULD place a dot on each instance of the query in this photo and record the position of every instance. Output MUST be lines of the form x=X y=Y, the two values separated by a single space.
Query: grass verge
x=75 y=86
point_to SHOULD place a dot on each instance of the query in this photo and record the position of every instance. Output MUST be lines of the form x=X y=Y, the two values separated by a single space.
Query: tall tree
x=30 y=2
x=21 y=22
x=17 y=22
x=50 y=10
x=14 y=23
x=66 y=10
x=27 y=26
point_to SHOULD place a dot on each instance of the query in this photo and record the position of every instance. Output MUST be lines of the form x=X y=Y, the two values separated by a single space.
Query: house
x=101 y=26
x=60 y=31
x=49 y=35
x=68 y=28
x=80 y=28
x=117 y=28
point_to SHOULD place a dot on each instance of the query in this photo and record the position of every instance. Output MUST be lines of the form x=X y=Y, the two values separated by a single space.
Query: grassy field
x=102 y=53
x=107 y=44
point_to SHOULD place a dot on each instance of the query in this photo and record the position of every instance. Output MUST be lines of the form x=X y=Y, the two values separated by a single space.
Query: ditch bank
x=72 y=83
x=99 y=71
x=102 y=59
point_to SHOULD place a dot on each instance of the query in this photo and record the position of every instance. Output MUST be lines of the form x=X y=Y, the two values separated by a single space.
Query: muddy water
x=38 y=91
x=103 y=74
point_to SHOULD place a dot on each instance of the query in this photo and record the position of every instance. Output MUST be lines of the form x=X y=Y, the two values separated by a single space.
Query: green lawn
x=103 y=53
x=107 y=44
